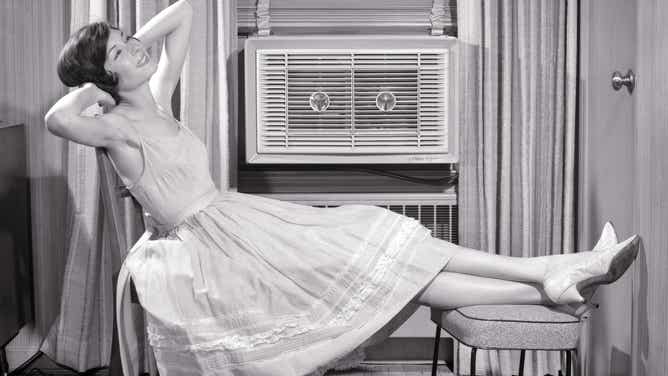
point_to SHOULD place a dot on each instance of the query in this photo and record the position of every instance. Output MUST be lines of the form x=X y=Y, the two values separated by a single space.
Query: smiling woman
x=105 y=56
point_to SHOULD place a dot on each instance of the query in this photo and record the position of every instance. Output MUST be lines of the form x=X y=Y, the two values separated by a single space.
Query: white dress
x=238 y=284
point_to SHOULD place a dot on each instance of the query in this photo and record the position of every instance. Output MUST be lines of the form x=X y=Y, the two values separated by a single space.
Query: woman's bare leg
x=451 y=290
x=520 y=269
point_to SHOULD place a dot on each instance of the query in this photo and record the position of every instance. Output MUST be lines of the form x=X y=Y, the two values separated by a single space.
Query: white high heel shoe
x=605 y=266
x=608 y=238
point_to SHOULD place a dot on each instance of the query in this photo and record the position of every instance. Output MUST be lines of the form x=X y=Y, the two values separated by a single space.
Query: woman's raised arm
x=174 y=24
x=64 y=119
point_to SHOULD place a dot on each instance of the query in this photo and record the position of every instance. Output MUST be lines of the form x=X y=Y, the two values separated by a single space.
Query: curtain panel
x=30 y=40
x=81 y=337
x=517 y=111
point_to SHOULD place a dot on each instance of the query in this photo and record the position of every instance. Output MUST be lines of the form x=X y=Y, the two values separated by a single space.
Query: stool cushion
x=530 y=327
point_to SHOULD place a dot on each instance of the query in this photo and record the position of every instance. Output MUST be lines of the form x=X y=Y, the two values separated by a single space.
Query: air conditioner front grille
x=352 y=81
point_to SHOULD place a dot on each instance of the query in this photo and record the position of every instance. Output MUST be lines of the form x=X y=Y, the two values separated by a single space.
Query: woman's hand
x=103 y=99
x=92 y=94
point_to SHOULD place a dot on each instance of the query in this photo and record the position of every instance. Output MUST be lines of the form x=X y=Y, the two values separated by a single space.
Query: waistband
x=195 y=207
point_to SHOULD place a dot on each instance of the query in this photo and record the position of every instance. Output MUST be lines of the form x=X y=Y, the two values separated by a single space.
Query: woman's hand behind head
x=101 y=97
x=89 y=94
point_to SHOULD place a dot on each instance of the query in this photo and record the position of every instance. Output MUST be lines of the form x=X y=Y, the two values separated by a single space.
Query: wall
x=623 y=178
x=650 y=283
x=606 y=144
x=31 y=35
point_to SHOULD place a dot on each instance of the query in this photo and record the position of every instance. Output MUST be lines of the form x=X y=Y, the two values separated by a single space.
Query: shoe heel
x=623 y=259
x=585 y=308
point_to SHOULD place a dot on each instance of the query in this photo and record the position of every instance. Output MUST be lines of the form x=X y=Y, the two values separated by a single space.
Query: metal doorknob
x=629 y=81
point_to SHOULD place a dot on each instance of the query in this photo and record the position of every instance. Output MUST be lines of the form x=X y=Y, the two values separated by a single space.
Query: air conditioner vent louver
x=352 y=82
x=353 y=101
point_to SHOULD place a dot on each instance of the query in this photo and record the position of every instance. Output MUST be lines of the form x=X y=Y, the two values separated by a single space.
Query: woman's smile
x=143 y=59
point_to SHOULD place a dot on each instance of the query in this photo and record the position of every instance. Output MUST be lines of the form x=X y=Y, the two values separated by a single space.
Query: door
x=606 y=163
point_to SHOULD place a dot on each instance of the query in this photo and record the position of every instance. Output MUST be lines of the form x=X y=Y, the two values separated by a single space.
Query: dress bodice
x=175 y=180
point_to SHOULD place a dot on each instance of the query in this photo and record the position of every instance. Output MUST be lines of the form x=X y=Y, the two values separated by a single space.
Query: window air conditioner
x=351 y=99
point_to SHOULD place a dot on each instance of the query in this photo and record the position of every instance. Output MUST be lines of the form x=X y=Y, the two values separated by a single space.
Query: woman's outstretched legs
x=519 y=269
x=451 y=290
x=560 y=279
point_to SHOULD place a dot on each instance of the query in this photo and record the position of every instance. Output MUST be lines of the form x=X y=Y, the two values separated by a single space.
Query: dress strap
x=144 y=161
x=170 y=116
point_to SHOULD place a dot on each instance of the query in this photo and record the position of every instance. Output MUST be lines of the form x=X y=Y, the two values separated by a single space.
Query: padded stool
x=509 y=327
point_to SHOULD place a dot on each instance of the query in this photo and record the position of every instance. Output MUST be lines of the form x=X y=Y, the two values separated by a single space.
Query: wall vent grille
x=440 y=219
x=436 y=211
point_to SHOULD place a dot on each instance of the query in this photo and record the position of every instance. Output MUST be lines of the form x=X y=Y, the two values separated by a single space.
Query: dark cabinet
x=16 y=295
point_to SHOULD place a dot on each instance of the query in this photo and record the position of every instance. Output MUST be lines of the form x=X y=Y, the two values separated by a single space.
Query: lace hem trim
x=235 y=342
x=376 y=276
x=294 y=328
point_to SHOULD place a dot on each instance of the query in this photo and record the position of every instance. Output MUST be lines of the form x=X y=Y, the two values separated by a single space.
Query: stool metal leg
x=568 y=362
x=437 y=339
x=473 y=350
x=521 y=372
x=4 y=367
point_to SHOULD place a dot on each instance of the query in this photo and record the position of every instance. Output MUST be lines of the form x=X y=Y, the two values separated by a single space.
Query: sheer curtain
x=207 y=106
x=81 y=336
x=516 y=188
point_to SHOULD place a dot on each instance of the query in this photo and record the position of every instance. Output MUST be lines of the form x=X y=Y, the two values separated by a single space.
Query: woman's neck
x=139 y=98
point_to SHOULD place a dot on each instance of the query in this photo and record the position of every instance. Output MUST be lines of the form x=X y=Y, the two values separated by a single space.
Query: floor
x=393 y=369
x=43 y=366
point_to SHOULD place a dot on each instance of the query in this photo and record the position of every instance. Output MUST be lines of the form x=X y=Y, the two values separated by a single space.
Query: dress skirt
x=249 y=285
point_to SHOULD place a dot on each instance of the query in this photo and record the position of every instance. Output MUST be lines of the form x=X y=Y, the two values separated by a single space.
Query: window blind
x=346 y=16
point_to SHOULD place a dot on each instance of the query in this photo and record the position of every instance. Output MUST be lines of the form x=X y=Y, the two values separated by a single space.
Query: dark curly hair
x=82 y=59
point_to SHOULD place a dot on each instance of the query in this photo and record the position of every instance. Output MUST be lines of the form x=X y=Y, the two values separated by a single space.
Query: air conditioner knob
x=319 y=101
x=385 y=101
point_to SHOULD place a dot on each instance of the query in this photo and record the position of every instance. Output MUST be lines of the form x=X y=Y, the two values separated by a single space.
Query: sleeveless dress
x=239 y=284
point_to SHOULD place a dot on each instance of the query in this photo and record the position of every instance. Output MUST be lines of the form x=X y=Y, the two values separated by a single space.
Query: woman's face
x=128 y=58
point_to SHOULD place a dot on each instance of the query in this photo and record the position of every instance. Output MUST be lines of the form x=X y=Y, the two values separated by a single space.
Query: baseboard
x=410 y=349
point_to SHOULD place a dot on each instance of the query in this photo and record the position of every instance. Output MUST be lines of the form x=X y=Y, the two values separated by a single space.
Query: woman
x=242 y=284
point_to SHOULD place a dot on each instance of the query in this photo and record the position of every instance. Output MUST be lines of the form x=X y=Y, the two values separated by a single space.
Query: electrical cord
x=450 y=179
